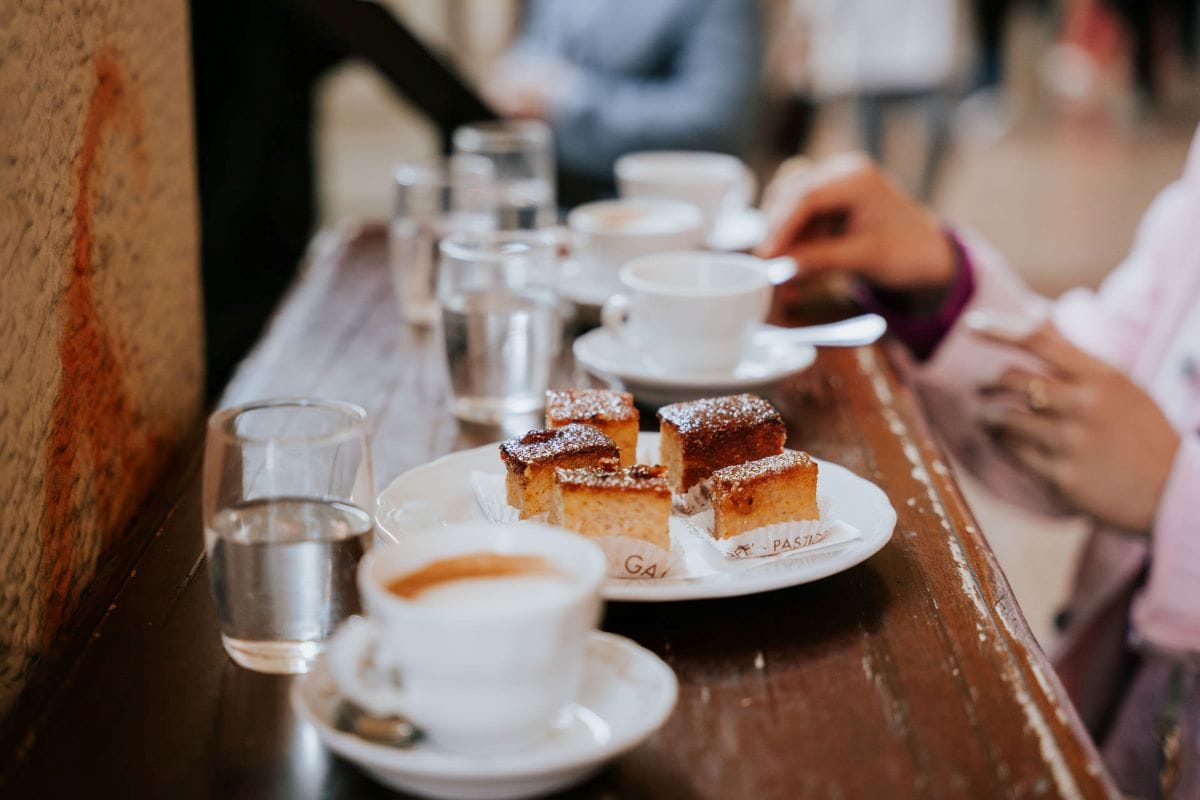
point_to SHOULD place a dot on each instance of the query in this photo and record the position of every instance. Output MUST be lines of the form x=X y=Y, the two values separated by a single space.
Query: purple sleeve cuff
x=922 y=332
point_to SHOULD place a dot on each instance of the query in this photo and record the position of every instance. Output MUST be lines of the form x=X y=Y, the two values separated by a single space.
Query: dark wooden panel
x=913 y=675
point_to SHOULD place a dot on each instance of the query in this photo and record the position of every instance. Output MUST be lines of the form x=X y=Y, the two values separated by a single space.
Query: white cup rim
x=352 y=422
x=677 y=217
x=489 y=246
x=752 y=265
x=526 y=538
x=503 y=136
x=635 y=166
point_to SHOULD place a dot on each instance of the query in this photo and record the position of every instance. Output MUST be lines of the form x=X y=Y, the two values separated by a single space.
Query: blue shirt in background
x=648 y=75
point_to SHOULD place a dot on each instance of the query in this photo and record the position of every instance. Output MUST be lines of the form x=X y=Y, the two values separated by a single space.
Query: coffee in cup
x=690 y=312
x=482 y=576
x=475 y=632
x=713 y=182
x=608 y=233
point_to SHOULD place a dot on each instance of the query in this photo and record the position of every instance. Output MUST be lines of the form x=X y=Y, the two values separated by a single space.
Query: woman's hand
x=1082 y=425
x=847 y=215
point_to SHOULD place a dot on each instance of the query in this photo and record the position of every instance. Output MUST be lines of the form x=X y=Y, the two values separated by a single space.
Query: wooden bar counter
x=911 y=675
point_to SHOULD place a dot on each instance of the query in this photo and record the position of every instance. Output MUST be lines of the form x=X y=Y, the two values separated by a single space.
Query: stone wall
x=100 y=334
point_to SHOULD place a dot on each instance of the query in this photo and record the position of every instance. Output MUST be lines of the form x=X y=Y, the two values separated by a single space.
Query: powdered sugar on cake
x=719 y=413
x=582 y=405
x=762 y=468
x=637 y=478
x=537 y=446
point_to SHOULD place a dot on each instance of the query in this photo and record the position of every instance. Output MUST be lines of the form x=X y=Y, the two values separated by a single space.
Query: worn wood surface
x=100 y=343
x=912 y=675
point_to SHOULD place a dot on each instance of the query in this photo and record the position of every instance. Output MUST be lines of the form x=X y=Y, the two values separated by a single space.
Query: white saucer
x=739 y=230
x=628 y=693
x=763 y=367
x=440 y=493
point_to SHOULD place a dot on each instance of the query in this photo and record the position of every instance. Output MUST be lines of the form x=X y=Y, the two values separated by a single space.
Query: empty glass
x=289 y=504
x=522 y=152
x=501 y=320
x=433 y=198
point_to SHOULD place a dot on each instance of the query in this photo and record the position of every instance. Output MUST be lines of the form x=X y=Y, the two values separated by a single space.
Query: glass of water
x=433 y=198
x=522 y=152
x=288 y=507
x=501 y=320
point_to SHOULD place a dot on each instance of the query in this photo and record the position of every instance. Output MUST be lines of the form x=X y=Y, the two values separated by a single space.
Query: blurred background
x=1046 y=125
x=1059 y=138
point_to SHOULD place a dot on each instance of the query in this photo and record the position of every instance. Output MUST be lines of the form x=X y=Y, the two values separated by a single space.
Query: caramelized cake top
x=589 y=405
x=719 y=413
x=537 y=447
x=732 y=477
x=638 y=478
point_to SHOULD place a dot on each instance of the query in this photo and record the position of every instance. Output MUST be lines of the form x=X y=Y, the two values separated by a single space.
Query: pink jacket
x=1144 y=319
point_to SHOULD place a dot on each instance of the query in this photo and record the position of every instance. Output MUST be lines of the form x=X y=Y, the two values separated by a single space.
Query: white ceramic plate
x=764 y=366
x=628 y=693
x=440 y=493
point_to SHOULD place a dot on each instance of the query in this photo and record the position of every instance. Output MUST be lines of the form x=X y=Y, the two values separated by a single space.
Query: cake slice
x=532 y=458
x=701 y=436
x=612 y=412
x=632 y=501
x=780 y=488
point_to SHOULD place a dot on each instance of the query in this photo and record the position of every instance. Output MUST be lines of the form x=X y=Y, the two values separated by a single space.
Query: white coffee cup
x=714 y=182
x=482 y=665
x=608 y=233
x=690 y=312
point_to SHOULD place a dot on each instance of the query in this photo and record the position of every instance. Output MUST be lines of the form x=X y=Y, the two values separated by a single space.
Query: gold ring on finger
x=1037 y=396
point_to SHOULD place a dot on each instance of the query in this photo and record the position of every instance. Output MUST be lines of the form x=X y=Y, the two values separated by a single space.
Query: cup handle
x=781 y=270
x=354 y=647
x=747 y=188
x=741 y=195
x=614 y=316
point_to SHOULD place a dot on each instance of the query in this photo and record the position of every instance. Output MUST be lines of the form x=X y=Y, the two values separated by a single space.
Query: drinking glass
x=433 y=198
x=288 y=504
x=501 y=320
x=522 y=152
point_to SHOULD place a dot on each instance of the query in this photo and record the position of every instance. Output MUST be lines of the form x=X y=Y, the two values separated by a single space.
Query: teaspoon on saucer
x=393 y=731
x=854 y=332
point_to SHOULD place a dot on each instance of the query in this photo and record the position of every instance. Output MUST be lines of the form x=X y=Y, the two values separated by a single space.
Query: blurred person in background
x=1088 y=405
x=788 y=81
x=612 y=78
x=990 y=20
x=983 y=114
x=1098 y=34
x=888 y=56
x=1144 y=23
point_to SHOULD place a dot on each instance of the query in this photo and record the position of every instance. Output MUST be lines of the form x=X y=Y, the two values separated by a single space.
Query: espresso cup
x=713 y=182
x=482 y=661
x=690 y=312
x=608 y=233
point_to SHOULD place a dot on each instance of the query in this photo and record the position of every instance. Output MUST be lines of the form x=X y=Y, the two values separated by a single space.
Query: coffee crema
x=469 y=566
x=635 y=220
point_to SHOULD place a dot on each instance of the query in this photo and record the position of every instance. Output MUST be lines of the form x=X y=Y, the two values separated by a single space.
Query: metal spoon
x=392 y=731
x=853 y=332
